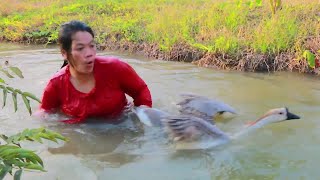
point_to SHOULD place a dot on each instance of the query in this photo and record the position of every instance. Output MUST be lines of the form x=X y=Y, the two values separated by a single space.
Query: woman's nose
x=90 y=52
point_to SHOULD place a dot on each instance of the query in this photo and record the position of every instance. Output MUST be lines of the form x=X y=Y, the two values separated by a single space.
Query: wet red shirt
x=113 y=79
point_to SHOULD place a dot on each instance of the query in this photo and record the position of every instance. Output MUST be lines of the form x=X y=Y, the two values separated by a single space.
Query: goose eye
x=281 y=113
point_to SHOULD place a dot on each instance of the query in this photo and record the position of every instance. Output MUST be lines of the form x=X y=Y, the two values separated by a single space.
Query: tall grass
x=211 y=26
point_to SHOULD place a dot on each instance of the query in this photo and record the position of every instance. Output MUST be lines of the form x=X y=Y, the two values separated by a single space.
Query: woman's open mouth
x=89 y=64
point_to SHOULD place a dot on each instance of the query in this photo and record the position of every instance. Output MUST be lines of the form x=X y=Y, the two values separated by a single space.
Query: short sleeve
x=50 y=97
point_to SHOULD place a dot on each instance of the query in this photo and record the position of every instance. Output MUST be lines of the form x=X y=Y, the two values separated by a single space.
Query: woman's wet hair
x=67 y=30
x=65 y=62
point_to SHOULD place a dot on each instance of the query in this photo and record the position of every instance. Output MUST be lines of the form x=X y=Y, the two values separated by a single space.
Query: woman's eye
x=79 y=49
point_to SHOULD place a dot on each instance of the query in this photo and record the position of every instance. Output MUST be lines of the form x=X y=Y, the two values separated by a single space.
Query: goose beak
x=291 y=116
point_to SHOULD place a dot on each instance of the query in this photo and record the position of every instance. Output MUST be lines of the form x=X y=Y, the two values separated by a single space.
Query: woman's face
x=83 y=52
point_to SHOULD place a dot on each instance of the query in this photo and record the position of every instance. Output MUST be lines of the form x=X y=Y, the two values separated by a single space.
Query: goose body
x=150 y=116
x=204 y=107
x=192 y=130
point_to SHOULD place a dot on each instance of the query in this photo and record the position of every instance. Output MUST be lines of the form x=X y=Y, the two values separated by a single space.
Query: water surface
x=286 y=150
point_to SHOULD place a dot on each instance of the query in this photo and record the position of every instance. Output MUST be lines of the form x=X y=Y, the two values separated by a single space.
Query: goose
x=195 y=126
x=205 y=108
x=191 y=105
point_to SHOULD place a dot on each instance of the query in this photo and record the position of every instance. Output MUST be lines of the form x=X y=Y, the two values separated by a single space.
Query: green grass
x=219 y=27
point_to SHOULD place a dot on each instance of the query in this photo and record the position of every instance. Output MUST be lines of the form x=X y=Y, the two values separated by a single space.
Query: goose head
x=274 y=116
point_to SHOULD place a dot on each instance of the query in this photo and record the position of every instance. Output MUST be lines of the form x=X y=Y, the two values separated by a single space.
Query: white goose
x=195 y=126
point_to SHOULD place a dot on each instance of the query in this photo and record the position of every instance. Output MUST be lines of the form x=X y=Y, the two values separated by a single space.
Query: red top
x=113 y=79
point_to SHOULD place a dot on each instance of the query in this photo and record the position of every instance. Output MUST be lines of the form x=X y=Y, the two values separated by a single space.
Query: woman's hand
x=128 y=108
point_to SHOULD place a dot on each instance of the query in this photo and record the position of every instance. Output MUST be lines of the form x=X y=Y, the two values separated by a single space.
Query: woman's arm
x=50 y=99
x=134 y=86
x=49 y=102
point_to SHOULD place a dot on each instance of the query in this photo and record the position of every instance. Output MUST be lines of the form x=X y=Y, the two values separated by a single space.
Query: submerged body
x=113 y=79
x=89 y=85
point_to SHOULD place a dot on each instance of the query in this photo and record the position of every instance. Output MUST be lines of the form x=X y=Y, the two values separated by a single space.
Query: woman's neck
x=81 y=77
x=82 y=82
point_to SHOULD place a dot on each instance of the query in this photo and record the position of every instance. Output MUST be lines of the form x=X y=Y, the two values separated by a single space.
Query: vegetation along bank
x=244 y=35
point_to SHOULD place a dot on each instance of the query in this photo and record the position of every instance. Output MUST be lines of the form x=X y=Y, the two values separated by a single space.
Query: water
x=287 y=150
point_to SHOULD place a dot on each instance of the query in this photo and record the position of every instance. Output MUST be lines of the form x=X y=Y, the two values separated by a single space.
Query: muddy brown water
x=288 y=150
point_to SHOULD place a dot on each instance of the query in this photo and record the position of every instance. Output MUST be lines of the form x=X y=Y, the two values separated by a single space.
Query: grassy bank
x=234 y=34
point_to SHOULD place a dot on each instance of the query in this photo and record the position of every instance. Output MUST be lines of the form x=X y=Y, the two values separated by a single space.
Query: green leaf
x=35 y=166
x=17 y=71
x=12 y=161
x=58 y=136
x=14 y=97
x=5 y=93
x=30 y=156
x=27 y=103
x=17 y=174
x=10 y=89
x=248 y=3
x=4 y=171
x=30 y=95
x=7 y=150
x=48 y=136
x=4 y=137
x=15 y=102
x=310 y=57
x=19 y=91
x=6 y=73
x=239 y=2
x=37 y=138
x=3 y=148
x=2 y=81
x=259 y=3
x=35 y=135
x=14 y=155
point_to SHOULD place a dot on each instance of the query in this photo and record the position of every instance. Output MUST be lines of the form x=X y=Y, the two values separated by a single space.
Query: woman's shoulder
x=59 y=74
x=104 y=60
x=110 y=62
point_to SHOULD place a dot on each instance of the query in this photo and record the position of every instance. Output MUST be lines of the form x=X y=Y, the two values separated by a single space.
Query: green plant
x=227 y=27
x=310 y=57
x=14 y=159
x=275 y=5
x=26 y=96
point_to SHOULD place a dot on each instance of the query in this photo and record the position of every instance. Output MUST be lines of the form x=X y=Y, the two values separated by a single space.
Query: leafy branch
x=26 y=96
x=13 y=157
x=33 y=135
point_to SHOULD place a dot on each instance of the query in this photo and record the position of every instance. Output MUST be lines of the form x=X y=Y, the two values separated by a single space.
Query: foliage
x=14 y=159
x=26 y=96
x=310 y=57
x=223 y=26
x=275 y=5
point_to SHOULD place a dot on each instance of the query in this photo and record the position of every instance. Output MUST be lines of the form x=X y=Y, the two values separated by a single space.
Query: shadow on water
x=98 y=140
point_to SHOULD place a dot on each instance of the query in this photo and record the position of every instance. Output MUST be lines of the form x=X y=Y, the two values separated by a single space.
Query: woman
x=90 y=85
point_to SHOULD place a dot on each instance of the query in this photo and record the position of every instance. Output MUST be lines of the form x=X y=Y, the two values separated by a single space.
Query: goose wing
x=203 y=107
x=190 y=128
x=150 y=116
